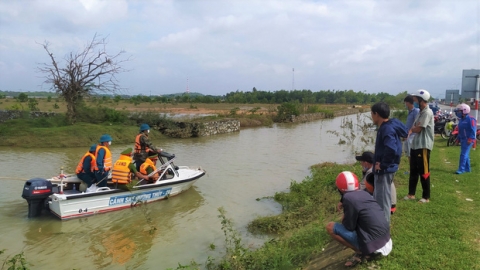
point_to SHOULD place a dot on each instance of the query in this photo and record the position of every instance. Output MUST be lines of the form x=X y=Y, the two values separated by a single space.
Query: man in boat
x=124 y=169
x=364 y=227
x=103 y=162
x=143 y=146
x=149 y=166
x=86 y=165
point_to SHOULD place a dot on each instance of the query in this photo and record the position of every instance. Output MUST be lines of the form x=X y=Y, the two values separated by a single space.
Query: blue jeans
x=464 y=164
x=349 y=236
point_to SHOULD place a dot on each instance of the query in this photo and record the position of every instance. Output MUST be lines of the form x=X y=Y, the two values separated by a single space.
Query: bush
x=286 y=110
x=101 y=114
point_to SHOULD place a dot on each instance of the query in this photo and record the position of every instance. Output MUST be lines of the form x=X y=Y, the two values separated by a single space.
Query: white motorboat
x=62 y=195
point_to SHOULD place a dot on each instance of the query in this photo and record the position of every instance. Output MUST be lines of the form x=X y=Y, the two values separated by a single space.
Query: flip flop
x=354 y=260
x=372 y=256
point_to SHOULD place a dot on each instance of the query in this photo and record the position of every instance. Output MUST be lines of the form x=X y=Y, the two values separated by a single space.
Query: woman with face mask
x=467 y=128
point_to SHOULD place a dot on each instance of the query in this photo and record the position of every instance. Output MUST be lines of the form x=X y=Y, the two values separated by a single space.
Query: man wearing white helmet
x=467 y=128
x=364 y=227
x=421 y=145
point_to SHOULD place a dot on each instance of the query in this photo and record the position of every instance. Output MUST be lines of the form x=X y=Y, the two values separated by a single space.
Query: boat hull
x=68 y=206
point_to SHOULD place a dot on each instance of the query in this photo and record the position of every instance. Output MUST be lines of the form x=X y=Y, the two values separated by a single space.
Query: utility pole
x=293 y=79
x=477 y=89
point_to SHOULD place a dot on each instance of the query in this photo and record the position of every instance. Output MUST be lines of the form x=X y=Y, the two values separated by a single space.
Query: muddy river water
x=241 y=167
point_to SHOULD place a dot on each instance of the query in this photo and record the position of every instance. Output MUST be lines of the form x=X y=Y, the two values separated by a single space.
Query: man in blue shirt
x=412 y=114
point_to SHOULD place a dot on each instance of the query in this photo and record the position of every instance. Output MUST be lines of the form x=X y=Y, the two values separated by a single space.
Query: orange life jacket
x=93 y=163
x=121 y=173
x=138 y=147
x=148 y=163
x=107 y=159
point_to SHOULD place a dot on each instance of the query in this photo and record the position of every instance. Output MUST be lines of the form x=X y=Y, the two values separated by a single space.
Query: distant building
x=452 y=96
x=469 y=83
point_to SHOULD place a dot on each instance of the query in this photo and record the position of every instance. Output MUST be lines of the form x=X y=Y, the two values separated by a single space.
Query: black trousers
x=419 y=167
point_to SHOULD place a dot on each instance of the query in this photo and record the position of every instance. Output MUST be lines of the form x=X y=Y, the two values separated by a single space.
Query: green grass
x=43 y=133
x=445 y=233
x=442 y=234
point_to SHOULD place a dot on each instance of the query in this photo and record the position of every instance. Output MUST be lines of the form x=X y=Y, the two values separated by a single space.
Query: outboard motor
x=36 y=191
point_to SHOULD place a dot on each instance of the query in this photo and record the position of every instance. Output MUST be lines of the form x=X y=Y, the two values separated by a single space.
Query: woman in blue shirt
x=467 y=128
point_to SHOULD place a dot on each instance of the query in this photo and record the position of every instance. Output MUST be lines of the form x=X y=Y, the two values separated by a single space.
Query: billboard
x=469 y=83
x=452 y=96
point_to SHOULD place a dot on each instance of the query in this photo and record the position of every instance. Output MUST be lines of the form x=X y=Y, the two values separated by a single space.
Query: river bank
x=52 y=132
x=442 y=234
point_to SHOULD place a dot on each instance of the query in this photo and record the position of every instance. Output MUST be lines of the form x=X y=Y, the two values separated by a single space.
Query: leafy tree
x=49 y=99
x=22 y=97
x=117 y=99
x=32 y=104
x=91 y=70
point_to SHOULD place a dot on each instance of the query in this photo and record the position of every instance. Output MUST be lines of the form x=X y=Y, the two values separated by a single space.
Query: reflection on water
x=241 y=167
x=109 y=240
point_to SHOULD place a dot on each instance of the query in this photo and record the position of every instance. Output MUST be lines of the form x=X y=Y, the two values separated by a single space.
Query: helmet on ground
x=464 y=108
x=105 y=138
x=93 y=148
x=347 y=181
x=422 y=93
x=144 y=127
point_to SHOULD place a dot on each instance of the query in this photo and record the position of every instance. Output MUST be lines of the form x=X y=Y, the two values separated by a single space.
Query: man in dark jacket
x=364 y=227
x=388 y=151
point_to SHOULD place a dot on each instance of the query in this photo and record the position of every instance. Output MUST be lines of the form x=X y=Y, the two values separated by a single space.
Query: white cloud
x=361 y=45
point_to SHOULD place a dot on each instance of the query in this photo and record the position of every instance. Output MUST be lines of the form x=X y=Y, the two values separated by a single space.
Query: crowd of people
x=96 y=165
x=367 y=205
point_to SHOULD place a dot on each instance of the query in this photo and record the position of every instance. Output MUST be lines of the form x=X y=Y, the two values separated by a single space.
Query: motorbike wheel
x=451 y=140
x=444 y=134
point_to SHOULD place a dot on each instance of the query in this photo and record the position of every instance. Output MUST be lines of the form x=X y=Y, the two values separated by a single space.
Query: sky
x=216 y=47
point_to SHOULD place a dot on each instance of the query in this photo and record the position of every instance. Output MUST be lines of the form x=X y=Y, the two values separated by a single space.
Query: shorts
x=349 y=236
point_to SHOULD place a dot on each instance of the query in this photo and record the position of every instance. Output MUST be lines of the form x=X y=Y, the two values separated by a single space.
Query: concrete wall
x=200 y=129
x=9 y=115
x=219 y=127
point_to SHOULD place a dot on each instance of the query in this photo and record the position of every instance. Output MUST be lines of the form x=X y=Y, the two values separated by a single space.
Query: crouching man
x=364 y=227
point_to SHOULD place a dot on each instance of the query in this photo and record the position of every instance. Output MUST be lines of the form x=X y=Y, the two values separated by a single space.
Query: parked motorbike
x=443 y=127
x=453 y=140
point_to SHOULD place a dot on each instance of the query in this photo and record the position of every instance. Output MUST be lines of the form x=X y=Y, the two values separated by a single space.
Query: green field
x=442 y=234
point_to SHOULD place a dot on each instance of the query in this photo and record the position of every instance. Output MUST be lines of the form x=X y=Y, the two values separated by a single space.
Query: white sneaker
x=91 y=188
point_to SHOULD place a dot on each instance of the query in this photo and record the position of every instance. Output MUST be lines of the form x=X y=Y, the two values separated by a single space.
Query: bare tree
x=86 y=72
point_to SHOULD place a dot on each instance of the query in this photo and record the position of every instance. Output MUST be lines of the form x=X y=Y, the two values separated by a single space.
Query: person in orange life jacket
x=103 y=160
x=149 y=166
x=143 y=146
x=86 y=165
x=123 y=169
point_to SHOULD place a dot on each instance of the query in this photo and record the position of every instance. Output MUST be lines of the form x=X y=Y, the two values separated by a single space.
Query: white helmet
x=464 y=108
x=423 y=94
